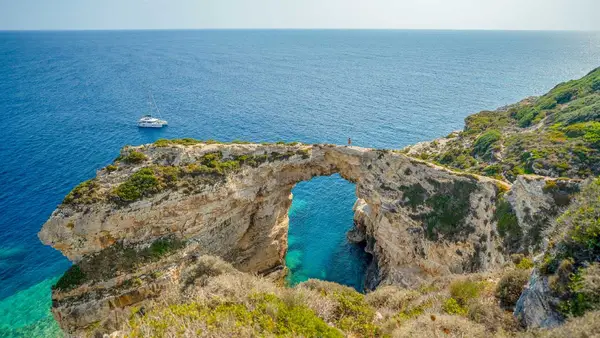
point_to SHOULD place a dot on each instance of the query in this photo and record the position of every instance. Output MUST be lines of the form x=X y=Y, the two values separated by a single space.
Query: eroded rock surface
x=537 y=305
x=536 y=202
x=232 y=201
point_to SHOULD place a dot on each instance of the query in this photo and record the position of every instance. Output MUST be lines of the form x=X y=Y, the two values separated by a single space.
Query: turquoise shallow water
x=317 y=244
x=69 y=101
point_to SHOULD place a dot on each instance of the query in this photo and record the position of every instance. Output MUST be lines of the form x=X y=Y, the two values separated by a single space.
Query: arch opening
x=320 y=217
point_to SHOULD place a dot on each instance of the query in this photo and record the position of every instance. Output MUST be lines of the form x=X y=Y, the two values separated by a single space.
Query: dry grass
x=224 y=302
x=440 y=326
x=587 y=326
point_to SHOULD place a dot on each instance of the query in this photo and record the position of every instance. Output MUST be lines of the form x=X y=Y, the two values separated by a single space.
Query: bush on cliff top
x=181 y=141
x=84 y=193
x=134 y=157
x=140 y=184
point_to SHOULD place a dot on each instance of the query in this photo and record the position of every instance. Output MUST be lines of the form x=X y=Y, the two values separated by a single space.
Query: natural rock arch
x=243 y=218
x=232 y=201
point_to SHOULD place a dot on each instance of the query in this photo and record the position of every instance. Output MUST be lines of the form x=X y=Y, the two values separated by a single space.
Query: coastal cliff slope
x=452 y=249
x=232 y=201
x=554 y=135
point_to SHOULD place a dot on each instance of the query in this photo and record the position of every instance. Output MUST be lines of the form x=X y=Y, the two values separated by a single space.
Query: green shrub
x=511 y=286
x=449 y=208
x=162 y=247
x=304 y=153
x=452 y=307
x=263 y=315
x=576 y=302
x=587 y=109
x=525 y=264
x=484 y=143
x=84 y=193
x=492 y=170
x=185 y=141
x=583 y=223
x=169 y=174
x=457 y=157
x=526 y=115
x=478 y=123
x=508 y=225
x=583 y=290
x=70 y=279
x=240 y=142
x=162 y=142
x=464 y=291
x=111 y=167
x=134 y=157
x=140 y=184
x=414 y=195
x=354 y=314
x=181 y=141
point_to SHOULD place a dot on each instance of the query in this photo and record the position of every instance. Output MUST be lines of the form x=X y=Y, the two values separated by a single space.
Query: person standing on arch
x=349 y=141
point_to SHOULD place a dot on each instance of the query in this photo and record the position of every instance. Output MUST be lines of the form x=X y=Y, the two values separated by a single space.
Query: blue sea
x=69 y=101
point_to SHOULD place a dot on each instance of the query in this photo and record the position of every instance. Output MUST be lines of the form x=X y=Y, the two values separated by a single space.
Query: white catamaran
x=147 y=121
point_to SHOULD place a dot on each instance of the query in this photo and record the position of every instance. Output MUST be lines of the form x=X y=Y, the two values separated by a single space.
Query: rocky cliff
x=138 y=225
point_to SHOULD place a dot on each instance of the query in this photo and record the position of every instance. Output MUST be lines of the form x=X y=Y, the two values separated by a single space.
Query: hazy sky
x=416 y=14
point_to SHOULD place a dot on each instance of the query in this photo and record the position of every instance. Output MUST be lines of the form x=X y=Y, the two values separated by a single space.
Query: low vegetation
x=71 y=278
x=104 y=264
x=181 y=141
x=448 y=209
x=508 y=225
x=134 y=157
x=227 y=303
x=152 y=179
x=142 y=183
x=85 y=193
x=557 y=135
x=511 y=286
x=571 y=264
x=191 y=141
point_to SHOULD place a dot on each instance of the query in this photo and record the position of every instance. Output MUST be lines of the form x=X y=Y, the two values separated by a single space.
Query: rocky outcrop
x=537 y=305
x=564 y=283
x=536 y=202
x=159 y=205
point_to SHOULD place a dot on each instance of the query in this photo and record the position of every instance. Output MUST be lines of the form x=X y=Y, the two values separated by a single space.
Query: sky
x=371 y=14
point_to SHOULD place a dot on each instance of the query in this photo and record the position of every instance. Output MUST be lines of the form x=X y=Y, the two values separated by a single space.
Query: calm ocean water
x=69 y=101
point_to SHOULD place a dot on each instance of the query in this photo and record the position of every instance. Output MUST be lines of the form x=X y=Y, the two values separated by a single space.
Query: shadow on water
x=320 y=216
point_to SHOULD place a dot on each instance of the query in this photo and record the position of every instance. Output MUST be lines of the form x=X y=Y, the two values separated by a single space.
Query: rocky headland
x=173 y=232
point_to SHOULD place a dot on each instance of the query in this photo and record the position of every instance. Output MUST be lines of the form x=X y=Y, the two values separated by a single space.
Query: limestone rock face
x=537 y=201
x=536 y=306
x=232 y=201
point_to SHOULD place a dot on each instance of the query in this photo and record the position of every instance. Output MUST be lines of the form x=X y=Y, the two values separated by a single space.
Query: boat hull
x=150 y=125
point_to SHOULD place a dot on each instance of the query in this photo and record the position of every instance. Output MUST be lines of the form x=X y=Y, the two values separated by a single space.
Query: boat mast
x=155 y=106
